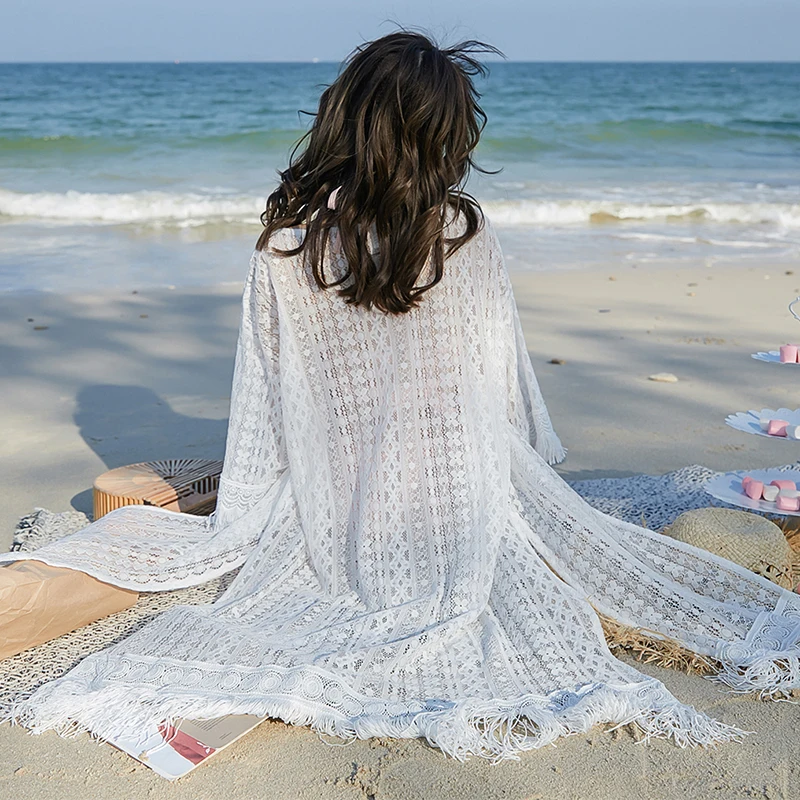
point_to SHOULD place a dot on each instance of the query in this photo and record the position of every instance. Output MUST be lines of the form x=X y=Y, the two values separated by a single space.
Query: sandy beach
x=93 y=381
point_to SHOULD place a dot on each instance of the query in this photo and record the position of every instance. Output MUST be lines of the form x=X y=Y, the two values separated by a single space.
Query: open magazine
x=173 y=751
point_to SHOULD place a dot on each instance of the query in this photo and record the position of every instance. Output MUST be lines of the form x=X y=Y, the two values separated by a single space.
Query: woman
x=410 y=564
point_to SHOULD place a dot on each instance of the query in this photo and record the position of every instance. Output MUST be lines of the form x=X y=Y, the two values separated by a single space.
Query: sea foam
x=568 y=212
x=195 y=208
x=143 y=208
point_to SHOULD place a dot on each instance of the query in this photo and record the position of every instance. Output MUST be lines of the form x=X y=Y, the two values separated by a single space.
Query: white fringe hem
x=496 y=730
x=772 y=675
x=549 y=447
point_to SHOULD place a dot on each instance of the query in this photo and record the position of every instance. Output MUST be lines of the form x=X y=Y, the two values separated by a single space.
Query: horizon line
x=180 y=61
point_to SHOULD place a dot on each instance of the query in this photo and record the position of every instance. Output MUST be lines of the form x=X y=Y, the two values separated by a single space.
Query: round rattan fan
x=178 y=484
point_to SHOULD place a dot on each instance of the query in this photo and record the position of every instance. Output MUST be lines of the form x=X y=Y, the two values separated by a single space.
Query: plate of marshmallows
x=780 y=423
x=788 y=354
x=770 y=490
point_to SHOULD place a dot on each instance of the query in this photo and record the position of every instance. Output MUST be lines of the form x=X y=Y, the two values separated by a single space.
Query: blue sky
x=526 y=30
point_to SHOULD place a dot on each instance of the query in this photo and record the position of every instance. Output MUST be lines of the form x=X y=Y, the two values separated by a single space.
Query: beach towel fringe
x=496 y=730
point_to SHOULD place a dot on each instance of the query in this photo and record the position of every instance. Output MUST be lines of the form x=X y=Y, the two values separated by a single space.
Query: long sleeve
x=255 y=454
x=527 y=410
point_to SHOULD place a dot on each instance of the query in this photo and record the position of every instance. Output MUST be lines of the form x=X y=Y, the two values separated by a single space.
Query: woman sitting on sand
x=410 y=564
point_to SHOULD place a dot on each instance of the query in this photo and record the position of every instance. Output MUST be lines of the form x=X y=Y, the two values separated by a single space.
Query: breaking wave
x=142 y=208
x=193 y=209
x=570 y=212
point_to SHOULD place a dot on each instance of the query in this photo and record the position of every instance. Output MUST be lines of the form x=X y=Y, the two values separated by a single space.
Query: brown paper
x=39 y=602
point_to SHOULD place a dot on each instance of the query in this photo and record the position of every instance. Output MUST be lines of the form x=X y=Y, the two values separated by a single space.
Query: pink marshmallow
x=788 y=503
x=788 y=353
x=754 y=489
x=784 y=484
x=777 y=427
x=746 y=480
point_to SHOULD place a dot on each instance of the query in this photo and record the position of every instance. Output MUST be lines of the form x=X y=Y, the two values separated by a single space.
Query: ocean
x=132 y=175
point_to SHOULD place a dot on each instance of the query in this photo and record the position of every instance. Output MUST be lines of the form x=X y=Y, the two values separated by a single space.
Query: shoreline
x=110 y=259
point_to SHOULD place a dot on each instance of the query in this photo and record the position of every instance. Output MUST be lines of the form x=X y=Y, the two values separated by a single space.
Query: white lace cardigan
x=410 y=563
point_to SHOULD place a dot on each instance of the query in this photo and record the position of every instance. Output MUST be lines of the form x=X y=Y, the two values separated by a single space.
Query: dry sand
x=93 y=382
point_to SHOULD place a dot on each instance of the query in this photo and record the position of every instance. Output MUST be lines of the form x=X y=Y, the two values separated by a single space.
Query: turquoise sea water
x=136 y=174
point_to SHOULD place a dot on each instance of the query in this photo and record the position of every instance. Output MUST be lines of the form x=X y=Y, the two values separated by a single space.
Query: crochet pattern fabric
x=409 y=563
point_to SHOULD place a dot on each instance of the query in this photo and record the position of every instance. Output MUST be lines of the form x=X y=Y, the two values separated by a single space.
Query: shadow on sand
x=128 y=424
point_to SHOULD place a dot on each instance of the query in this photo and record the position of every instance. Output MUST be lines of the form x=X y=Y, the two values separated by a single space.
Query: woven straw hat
x=746 y=539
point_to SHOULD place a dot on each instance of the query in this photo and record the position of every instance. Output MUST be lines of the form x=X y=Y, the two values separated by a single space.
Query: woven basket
x=179 y=484
x=746 y=539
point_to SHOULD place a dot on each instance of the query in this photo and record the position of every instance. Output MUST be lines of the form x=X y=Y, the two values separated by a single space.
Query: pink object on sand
x=754 y=489
x=777 y=427
x=784 y=484
x=788 y=353
x=788 y=503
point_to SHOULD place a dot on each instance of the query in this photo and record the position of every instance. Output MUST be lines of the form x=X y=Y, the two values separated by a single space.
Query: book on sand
x=175 y=750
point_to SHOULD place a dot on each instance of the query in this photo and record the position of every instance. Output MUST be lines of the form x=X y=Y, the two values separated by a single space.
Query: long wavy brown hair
x=396 y=132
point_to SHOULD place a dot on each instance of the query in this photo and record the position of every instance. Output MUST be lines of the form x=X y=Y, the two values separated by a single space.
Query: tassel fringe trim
x=549 y=447
x=496 y=730
x=773 y=675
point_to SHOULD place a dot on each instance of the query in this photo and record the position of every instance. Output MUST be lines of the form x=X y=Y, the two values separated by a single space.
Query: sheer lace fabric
x=410 y=563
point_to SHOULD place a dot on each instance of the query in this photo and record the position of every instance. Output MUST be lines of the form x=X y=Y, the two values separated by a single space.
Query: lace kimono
x=411 y=566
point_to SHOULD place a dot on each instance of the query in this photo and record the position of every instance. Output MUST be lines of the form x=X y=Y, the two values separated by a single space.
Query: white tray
x=774 y=357
x=748 y=421
x=728 y=488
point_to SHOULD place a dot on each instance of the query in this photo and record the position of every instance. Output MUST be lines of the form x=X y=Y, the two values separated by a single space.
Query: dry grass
x=652 y=648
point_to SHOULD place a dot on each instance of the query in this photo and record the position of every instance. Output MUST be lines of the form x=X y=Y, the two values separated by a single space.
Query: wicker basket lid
x=177 y=484
x=746 y=539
